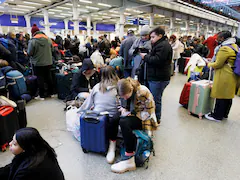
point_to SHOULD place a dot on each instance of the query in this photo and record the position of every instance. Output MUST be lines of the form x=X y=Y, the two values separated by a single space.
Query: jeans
x=157 y=88
x=222 y=108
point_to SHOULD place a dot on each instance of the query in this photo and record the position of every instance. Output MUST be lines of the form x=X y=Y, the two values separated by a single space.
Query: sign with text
x=143 y=21
x=131 y=21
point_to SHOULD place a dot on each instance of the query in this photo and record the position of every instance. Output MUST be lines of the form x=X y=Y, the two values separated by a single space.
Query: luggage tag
x=6 y=110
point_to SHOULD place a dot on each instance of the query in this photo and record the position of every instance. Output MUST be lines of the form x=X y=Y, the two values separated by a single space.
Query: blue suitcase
x=93 y=131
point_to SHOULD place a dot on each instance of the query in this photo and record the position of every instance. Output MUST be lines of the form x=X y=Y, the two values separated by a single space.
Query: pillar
x=28 y=24
x=140 y=28
x=89 y=27
x=117 y=27
x=207 y=31
x=66 y=26
x=46 y=22
x=151 y=22
x=238 y=31
x=75 y=17
x=198 y=29
x=121 y=24
x=171 y=26
x=95 y=30
x=215 y=30
x=187 y=26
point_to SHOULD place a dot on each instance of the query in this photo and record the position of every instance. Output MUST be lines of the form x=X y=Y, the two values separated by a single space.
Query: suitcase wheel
x=84 y=150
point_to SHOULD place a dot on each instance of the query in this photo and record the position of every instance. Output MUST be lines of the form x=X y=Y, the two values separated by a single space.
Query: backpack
x=236 y=68
x=144 y=148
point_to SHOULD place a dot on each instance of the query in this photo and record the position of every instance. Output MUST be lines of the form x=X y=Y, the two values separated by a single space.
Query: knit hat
x=145 y=30
x=34 y=29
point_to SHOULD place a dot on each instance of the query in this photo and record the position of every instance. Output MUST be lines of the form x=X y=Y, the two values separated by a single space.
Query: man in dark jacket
x=85 y=80
x=158 y=66
x=124 y=52
x=40 y=50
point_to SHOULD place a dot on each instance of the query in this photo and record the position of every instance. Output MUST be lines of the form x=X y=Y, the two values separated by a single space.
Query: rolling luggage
x=8 y=125
x=181 y=62
x=186 y=62
x=21 y=112
x=63 y=85
x=93 y=130
x=184 y=98
x=32 y=85
x=200 y=102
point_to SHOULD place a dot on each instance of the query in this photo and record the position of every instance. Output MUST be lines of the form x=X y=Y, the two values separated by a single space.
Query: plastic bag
x=71 y=117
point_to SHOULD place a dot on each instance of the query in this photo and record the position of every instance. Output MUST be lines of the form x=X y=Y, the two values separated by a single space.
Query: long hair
x=34 y=146
x=108 y=78
x=126 y=85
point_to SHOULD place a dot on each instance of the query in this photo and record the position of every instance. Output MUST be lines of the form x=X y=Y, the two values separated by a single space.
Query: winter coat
x=40 y=49
x=21 y=57
x=159 y=61
x=107 y=101
x=177 y=48
x=46 y=170
x=225 y=81
x=124 y=48
x=4 y=52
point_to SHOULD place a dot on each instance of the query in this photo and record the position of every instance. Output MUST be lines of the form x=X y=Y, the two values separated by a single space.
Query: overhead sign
x=131 y=20
x=143 y=21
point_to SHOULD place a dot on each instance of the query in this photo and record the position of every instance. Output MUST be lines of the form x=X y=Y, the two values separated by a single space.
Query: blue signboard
x=143 y=21
x=5 y=20
x=131 y=20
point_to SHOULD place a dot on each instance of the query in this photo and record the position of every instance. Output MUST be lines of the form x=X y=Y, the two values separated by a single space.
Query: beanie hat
x=34 y=29
x=145 y=30
x=173 y=37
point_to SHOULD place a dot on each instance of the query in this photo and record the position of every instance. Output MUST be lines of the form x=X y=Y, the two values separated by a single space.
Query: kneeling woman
x=139 y=114
x=34 y=158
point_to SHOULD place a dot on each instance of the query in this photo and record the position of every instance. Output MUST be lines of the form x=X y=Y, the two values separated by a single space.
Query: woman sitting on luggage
x=102 y=98
x=84 y=80
x=34 y=158
x=139 y=114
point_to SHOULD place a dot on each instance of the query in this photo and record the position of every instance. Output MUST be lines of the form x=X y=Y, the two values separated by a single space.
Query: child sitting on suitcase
x=138 y=115
x=103 y=97
x=34 y=158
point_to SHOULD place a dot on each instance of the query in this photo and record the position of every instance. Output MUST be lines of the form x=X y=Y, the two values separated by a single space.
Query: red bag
x=184 y=98
x=186 y=62
x=5 y=110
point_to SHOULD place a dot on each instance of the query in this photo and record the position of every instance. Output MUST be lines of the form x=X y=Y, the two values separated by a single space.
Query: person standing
x=158 y=66
x=225 y=81
x=124 y=48
x=40 y=50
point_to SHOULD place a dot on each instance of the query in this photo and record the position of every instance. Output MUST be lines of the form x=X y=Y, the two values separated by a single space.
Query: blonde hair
x=3 y=63
x=108 y=78
x=125 y=86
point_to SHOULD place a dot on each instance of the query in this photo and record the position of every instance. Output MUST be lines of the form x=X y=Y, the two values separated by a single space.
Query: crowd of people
x=146 y=62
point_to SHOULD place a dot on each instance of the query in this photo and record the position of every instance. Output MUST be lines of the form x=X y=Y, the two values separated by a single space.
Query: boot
x=111 y=152
x=124 y=166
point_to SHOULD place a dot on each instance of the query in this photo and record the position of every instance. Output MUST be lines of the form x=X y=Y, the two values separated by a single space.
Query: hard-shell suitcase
x=181 y=62
x=93 y=131
x=63 y=85
x=8 y=125
x=184 y=98
x=32 y=85
x=200 y=102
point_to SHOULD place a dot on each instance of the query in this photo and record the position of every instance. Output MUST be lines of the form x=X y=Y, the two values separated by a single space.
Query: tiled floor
x=186 y=148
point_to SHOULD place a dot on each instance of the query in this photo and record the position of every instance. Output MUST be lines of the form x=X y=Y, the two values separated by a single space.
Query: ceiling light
x=30 y=7
x=83 y=10
x=178 y=19
x=69 y=4
x=58 y=16
x=127 y=14
x=137 y=11
x=70 y=12
x=85 y=1
x=65 y=14
x=47 y=0
x=56 y=10
x=114 y=15
x=89 y=7
x=51 y=12
x=98 y=18
x=60 y=7
x=107 y=17
x=11 y=11
x=113 y=11
x=106 y=5
x=19 y=9
x=32 y=3
x=39 y=14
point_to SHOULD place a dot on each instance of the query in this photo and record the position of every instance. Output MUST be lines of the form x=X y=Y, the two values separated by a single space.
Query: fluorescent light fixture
x=51 y=12
x=55 y=10
x=113 y=11
x=114 y=15
x=105 y=14
x=191 y=21
x=70 y=12
x=19 y=9
x=85 y=1
x=39 y=14
x=30 y=7
x=127 y=14
x=60 y=7
x=137 y=11
x=105 y=5
x=83 y=10
x=128 y=9
x=98 y=18
x=46 y=0
x=107 y=17
x=65 y=14
x=32 y=3
x=19 y=12
x=90 y=7
x=69 y=4
x=59 y=16
x=178 y=19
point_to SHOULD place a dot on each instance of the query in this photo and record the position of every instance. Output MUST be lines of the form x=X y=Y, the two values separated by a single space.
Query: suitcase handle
x=92 y=119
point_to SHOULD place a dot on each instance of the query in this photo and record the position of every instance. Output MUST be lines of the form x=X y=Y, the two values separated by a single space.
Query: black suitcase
x=181 y=63
x=21 y=111
x=8 y=125
x=63 y=85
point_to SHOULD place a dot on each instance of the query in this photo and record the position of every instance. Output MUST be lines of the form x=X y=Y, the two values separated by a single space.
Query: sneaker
x=7 y=102
x=124 y=166
x=210 y=117
x=53 y=96
x=39 y=98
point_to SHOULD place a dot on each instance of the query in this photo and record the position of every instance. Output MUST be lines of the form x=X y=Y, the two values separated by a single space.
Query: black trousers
x=222 y=108
x=44 y=78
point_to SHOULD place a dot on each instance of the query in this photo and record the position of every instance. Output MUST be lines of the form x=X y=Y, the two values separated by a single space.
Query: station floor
x=186 y=148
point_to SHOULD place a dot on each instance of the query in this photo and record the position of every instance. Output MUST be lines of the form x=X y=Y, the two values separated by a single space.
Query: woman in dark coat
x=34 y=158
